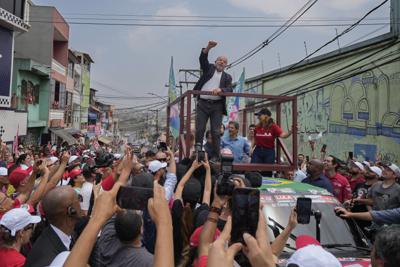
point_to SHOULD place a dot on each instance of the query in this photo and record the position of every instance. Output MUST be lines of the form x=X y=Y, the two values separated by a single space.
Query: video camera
x=225 y=184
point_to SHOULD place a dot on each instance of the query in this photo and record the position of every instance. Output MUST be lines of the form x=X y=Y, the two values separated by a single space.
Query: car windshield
x=334 y=230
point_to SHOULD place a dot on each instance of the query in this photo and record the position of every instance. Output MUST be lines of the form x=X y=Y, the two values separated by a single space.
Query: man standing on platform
x=213 y=79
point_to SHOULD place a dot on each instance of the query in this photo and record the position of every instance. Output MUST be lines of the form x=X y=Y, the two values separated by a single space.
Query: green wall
x=360 y=113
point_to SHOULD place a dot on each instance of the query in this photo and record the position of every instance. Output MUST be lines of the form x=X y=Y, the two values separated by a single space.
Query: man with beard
x=356 y=172
x=360 y=193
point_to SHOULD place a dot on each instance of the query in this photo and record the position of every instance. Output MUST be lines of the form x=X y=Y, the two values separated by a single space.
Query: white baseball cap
x=313 y=256
x=3 y=171
x=366 y=163
x=376 y=170
x=72 y=158
x=17 y=219
x=394 y=168
x=53 y=160
x=156 y=165
x=359 y=165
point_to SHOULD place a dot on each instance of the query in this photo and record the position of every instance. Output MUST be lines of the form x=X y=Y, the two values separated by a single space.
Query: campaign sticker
x=284 y=198
x=266 y=199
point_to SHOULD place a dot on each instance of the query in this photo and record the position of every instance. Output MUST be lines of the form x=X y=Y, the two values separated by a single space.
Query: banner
x=174 y=122
x=233 y=103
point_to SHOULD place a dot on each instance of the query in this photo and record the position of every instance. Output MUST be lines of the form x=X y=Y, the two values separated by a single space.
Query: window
x=57 y=97
x=70 y=70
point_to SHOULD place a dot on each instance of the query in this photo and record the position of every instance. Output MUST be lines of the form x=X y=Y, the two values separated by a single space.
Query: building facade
x=350 y=95
x=47 y=44
x=14 y=19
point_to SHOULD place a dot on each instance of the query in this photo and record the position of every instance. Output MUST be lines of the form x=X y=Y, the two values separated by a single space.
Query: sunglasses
x=162 y=160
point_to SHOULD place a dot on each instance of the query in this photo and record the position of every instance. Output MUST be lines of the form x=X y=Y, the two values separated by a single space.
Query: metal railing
x=185 y=104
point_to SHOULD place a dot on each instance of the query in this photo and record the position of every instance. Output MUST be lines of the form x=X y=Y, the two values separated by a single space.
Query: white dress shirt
x=65 y=239
x=212 y=84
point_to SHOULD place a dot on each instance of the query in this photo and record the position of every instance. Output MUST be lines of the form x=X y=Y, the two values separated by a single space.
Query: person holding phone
x=265 y=133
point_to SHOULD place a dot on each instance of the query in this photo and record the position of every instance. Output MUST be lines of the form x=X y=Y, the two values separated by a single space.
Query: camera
x=201 y=154
x=225 y=184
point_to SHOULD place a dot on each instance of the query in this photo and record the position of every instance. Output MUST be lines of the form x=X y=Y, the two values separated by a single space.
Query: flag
x=15 y=143
x=174 y=110
x=233 y=103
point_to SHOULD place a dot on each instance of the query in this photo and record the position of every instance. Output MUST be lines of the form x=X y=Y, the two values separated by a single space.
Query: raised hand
x=212 y=44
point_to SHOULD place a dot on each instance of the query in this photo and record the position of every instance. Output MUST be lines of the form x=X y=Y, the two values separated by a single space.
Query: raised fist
x=212 y=44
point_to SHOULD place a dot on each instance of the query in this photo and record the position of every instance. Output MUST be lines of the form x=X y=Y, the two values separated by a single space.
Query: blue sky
x=135 y=60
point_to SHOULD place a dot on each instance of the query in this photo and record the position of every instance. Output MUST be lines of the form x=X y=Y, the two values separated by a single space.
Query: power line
x=192 y=16
x=39 y=18
x=347 y=30
x=368 y=34
x=276 y=34
x=204 y=25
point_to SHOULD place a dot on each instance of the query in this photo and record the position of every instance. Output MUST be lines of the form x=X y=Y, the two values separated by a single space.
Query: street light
x=164 y=98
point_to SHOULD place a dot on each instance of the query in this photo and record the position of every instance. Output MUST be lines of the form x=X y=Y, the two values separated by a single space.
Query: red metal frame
x=268 y=101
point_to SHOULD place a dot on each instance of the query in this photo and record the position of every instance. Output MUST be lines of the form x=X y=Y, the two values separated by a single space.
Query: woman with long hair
x=265 y=133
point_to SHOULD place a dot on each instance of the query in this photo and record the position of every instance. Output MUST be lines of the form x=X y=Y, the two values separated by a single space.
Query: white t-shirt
x=211 y=85
x=86 y=192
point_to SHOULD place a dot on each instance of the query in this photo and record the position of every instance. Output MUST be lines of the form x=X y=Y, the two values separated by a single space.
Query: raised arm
x=204 y=64
x=59 y=173
x=39 y=192
x=207 y=183
x=279 y=243
x=185 y=178
x=161 y=216
x=27 y=189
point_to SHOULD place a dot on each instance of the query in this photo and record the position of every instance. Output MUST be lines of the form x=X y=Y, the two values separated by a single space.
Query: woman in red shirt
x=265 y=133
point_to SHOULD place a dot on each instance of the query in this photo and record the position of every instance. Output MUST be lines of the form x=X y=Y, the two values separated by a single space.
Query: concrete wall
x=37 y=43
x=359 y=114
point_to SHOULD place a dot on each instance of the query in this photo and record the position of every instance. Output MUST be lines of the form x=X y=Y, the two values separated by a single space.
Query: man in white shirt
x=212 y=106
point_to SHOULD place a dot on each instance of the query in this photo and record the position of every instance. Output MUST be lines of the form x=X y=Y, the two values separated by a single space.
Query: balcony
x=58 y=67
x=56 y=118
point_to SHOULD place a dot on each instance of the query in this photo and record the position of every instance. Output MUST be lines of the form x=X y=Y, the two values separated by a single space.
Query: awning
x=104 y=139
x=64 y=135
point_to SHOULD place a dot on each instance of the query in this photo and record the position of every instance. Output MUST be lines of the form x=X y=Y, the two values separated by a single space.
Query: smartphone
x=201 y=156
x=323 y=149
x=307 y=158
x=245 y=212
x=351 y=155
x=162 y=146
x=133 y=197
x=303 y=209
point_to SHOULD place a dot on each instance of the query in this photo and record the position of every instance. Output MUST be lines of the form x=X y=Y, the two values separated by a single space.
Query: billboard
x=6 y=48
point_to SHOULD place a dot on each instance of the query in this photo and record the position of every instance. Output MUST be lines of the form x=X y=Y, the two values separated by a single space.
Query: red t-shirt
x=265 y=138
x=354 y=182
x=341 y=187
x=11 y=258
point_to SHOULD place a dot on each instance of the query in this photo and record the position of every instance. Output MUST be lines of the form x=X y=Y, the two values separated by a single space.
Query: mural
x=360 y=114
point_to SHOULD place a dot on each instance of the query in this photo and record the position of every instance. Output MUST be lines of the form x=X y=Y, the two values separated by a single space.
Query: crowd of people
x=63 y=205
x=58 y=207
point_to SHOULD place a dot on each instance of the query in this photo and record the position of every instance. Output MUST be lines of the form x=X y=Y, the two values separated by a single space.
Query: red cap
x=305 y=240
x=17 y=176
x=194 y=238
x=74 y=173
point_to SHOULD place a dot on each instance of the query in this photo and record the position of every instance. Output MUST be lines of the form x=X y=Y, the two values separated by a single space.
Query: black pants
x=212 y=110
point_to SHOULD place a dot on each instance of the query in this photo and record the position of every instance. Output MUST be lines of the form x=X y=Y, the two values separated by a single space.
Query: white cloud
x=143 y=37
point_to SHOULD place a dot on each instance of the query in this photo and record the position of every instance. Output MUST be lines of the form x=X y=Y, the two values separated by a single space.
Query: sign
x=6 y=55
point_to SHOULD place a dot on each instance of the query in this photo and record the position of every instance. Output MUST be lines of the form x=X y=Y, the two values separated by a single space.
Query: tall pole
x=395 y=17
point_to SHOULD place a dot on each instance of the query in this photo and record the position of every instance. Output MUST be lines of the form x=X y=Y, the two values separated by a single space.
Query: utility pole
x=395 y=17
